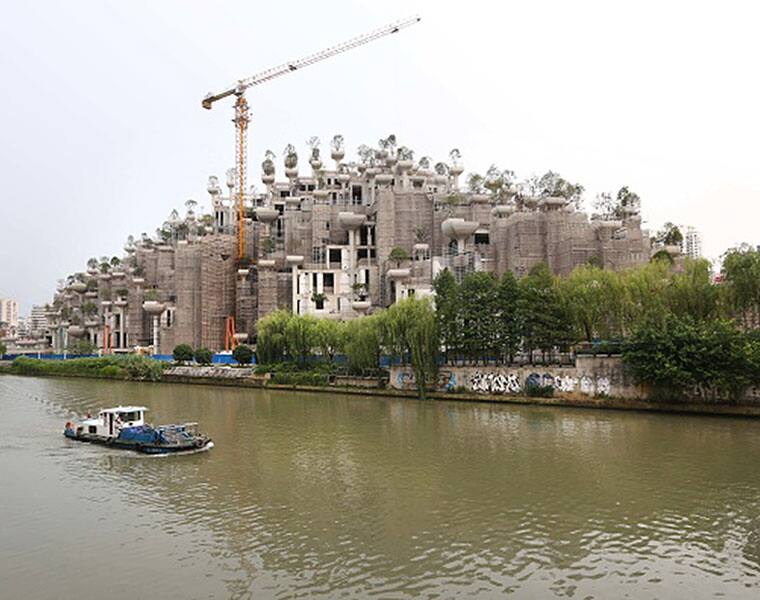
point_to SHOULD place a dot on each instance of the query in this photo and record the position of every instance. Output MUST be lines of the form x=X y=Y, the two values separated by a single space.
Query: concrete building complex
x=335 y=242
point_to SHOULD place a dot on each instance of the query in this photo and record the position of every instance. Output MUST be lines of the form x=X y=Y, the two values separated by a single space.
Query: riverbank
x=247 y=378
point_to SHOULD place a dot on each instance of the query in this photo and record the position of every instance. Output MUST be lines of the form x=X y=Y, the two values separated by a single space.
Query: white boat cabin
x=110 y=421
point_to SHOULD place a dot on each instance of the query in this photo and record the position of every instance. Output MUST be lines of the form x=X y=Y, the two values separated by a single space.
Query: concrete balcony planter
x=424 y=173
x=441 y=179
x=241 y=337
x=105 y=303
x=384 y=178
x=361 y=306
x=501 y=211
x=293 y=203
x=480 y=198
x=337 y=155
x=421 y=247
x=349 y=220
x=316 y=164
x=294 y=259
x=90 y=323
x=405 y=165
x=398 y=273
x=78 y=287
x=343 y=178
x=321 y=194
x=138 y=280
x=267 y=179
x=291 y=172
x=76 y=331
x=267 y=263
x=267 y=214
x=242 y=272
x=91 y=294
x=382 y=154
x=371 y=171
x=153 y=307
x=361 y=167
x=456 y=170
x=672 y=250
x=118 y=274
x=129 y=248
x=614 y=224
x=552 y=203
x=417 y=178
x=92 y=271
x=104 y=276
x=391 y=161
x=121 y=302
x=456 y=228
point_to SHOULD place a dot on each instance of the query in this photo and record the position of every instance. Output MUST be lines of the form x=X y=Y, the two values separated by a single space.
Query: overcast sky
x=103 y=132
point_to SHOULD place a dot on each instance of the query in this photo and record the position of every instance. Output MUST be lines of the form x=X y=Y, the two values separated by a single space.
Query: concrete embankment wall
x=590 y=377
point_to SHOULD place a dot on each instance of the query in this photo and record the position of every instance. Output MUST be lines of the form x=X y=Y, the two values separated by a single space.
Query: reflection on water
x=322 y=496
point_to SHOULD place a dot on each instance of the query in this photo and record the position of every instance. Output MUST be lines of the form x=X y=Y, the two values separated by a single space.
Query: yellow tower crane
x=242 y=114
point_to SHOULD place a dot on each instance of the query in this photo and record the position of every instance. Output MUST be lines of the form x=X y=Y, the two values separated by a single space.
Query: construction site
x=329 y=236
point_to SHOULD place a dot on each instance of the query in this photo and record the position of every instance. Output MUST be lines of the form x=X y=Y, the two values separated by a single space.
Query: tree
x=446 y=311
x=678 y=353
x=741 y=273
x=543 y=314
x=3 y=348
x=479 y=314
x=81 y=348
x=272 y=343
x=552 y=184
x=243 y=354
x=203 y=356
x=183 y=353
x=398 y=255
x=508 y=321
x=362 y=344
x=300 y=336
x=595 y=299
x=328 y=337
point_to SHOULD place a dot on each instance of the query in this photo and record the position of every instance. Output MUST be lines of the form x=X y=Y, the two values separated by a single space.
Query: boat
x=124 y=427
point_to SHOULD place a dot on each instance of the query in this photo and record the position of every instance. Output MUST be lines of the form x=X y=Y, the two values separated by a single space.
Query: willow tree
x=272 y=341
x=362 y=343
x=447 y=302
x=741 y=271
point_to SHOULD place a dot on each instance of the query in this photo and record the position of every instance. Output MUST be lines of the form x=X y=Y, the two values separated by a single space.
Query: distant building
x=9 y=312
x=38 y=322
x=692 y=243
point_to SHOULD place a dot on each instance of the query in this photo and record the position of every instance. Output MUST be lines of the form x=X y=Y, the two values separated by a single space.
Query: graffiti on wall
x=447 y=380
x=509 y=383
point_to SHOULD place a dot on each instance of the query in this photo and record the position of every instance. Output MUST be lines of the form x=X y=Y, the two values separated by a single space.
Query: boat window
x=92 y=429
x=130 y=416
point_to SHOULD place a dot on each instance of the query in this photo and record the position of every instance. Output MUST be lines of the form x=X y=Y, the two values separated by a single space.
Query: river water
x=317 y=495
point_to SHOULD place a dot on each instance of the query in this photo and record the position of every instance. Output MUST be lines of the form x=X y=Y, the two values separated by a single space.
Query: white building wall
x=9 y=311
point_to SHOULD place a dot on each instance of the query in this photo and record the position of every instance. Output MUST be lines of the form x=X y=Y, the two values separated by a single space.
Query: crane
x=242 y=112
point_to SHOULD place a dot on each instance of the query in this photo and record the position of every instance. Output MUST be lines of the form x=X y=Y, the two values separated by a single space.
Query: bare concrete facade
x=335 y=243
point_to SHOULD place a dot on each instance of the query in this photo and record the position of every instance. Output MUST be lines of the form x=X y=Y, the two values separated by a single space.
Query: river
x=323 y=496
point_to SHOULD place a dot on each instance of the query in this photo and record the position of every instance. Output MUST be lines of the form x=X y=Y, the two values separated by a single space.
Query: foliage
x=328 y=337
x=183 y=353
x=272 y=343
x=243 y=354
x=398 y=254
x=362 y=343
x=680 y=353
x=203 y=356
x=3 y=348
x=545 y=317
x=741 y=273
x=129 y=366
x=151 y=295
x=81 y=348
x=89 y=308
x=552 y=184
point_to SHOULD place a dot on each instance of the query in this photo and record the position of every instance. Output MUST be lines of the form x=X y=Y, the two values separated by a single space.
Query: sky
x=102 y=132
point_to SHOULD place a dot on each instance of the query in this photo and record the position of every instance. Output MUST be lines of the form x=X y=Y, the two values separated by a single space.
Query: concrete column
x=155 y=334
x=294 y=295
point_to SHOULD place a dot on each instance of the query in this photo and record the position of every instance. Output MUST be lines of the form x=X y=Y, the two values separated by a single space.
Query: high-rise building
x=692 y=243
x=38 y=320
x=9 y=312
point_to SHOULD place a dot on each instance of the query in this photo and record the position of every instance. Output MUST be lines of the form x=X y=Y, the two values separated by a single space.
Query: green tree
x=300 y=337
x=328 y=337
x=676 y=353
x=362 y=344
x=508 y=318
x=183 y=353
x=741 y=273
x=203 y=356
x=479 y=315
x=398 y=255
x=243 y=354
x=543 y=313
x=272 y=341
x=81 y=348
x=447 y=311
x=3 y=348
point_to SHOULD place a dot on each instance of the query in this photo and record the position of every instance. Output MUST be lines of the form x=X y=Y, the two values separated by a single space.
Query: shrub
x=183 y=353
x=539 y=391
x=203 y=356
x=113 y=372
x=243 y=354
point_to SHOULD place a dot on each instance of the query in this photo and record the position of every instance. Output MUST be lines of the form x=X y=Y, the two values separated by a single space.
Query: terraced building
x=333 y=242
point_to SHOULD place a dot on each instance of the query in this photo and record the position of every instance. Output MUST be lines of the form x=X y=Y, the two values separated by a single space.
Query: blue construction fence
x=217 y=359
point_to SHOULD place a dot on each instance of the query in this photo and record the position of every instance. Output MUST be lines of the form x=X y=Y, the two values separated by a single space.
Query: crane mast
x=242 y=113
